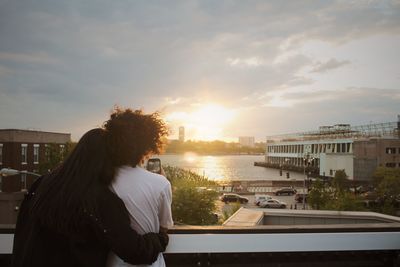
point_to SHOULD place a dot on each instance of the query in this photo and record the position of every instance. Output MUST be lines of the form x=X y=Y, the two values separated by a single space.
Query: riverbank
x=213 y=154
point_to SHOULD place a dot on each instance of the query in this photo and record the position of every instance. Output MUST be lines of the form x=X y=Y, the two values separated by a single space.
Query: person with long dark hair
x=71 y=218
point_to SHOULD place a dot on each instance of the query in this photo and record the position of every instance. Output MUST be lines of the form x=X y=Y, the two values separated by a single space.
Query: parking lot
x=289 y=200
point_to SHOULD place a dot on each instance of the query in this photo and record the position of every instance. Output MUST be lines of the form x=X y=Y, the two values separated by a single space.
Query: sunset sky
x=222 y=69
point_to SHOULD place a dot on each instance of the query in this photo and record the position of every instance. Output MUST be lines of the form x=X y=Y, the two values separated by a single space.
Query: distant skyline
x=222 y=69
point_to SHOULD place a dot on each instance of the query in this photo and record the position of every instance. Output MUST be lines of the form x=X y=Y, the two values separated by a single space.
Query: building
x=246 y=141
x=24 y=150
x=182 y=134
x=358 y=150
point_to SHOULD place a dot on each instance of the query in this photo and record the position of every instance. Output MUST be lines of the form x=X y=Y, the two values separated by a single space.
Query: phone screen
x=154 y=165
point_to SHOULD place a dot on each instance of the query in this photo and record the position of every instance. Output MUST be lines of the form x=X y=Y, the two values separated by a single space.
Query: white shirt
x=147 y=197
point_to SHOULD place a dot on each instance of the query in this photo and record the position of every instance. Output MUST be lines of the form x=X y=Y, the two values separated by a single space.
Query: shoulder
x=105 y=197
x=141 y=174
x=159 y=180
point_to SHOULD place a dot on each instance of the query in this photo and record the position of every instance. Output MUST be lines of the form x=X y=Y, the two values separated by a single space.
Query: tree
x=193 y=206
x=334 y=198
x=54 y=155
x=193 y=201
x=318 y=196
x=340 y=181
x=387 y=181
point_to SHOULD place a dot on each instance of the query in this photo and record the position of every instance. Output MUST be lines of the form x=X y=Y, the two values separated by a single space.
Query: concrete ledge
x=245 y=217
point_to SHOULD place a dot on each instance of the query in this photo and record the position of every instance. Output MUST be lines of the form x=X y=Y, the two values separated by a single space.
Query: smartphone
x=154 y=165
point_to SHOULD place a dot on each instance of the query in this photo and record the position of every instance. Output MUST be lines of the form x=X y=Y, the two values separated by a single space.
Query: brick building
x=24 y=150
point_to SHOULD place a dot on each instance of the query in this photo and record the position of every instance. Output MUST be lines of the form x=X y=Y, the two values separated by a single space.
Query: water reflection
x=229 y=167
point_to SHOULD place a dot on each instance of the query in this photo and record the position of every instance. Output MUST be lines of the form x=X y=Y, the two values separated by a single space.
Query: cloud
x=37 y=58
x=246 y=62
x=331 y=64
x=80 y=58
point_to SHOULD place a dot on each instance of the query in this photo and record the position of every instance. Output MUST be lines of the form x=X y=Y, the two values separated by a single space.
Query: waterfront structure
x=182 y=134
x=358 y=150
x=24 y=150
x=246 y=141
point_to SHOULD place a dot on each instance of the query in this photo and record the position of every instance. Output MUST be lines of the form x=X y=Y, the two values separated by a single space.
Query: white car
x=261 y=198
x=273 y=204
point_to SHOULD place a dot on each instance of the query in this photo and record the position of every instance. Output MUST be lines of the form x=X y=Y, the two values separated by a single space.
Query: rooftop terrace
x=372 y=242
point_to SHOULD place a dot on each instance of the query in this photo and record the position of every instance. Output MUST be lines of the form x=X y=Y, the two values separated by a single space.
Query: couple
x=99 y=208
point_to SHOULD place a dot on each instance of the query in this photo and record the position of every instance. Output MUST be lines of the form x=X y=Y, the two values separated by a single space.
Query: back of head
x=69 y=189
x=131 y=135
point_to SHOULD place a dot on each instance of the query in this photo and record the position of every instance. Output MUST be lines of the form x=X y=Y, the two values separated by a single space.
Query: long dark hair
x=65 y=193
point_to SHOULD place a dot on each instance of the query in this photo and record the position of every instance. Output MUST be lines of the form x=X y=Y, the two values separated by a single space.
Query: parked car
x=273 y=203
x=299 y=197
x=260 y=198
x=233 y=198
x=285 y=191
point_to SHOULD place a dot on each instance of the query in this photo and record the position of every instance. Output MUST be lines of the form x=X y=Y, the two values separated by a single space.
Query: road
x=289 y=200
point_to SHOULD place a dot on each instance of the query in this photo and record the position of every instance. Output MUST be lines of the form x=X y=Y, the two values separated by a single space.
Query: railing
x=333 y=245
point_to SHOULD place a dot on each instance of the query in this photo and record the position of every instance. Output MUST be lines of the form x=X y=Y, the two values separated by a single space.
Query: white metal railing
x=220 y=241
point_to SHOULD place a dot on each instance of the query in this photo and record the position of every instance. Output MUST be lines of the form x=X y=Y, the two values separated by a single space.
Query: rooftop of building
x=377 y=130
x=32 y=136
x=306 y=218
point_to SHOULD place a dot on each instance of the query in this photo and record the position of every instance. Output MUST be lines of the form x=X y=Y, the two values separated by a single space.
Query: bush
x=192 y=202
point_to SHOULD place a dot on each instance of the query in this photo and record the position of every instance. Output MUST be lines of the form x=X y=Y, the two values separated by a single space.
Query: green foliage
x=340 y=181
x=318 y=197
x=381 y=173
x=53 y=156
x=387 y=181
x=334 y=198
x=345 y=201
x=193 y=202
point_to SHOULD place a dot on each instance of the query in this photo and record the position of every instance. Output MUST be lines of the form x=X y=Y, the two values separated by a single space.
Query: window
x=24 y=153
x=1 y=153
x=35 y=154
x=391 y=165
x=339 y=148
x=62 y=151
x=390 y=150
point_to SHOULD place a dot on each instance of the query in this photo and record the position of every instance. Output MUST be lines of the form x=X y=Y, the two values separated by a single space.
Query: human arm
x=113 y=226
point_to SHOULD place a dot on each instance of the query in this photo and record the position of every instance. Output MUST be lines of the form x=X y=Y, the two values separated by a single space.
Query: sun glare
x=190 y=157
x=206 y=123
x=209 y=120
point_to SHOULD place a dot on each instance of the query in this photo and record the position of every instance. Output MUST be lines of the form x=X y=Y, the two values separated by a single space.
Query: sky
x=222 y=69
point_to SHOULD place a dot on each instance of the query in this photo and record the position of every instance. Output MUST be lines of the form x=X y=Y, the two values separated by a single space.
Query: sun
x=205 y=123
x=209 y=120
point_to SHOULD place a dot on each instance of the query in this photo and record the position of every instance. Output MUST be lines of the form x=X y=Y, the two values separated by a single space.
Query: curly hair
x=131 y=135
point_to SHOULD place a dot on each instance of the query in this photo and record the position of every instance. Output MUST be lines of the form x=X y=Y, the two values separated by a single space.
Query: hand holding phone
x=154 y=165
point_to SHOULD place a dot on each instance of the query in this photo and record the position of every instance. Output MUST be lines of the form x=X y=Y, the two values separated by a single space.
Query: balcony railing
x=327 y=245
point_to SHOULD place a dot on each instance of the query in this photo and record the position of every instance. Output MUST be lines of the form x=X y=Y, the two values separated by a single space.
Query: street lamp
x=12 y=172
x=307 y=161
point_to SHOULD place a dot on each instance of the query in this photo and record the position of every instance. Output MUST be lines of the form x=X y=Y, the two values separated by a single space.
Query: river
x=225 y=167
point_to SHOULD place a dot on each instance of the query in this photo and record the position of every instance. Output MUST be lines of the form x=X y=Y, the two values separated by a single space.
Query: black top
x=108 y=230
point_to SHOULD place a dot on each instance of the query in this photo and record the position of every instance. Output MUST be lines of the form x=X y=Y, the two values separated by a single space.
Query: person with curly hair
x=70 y=217
x=135 y=136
